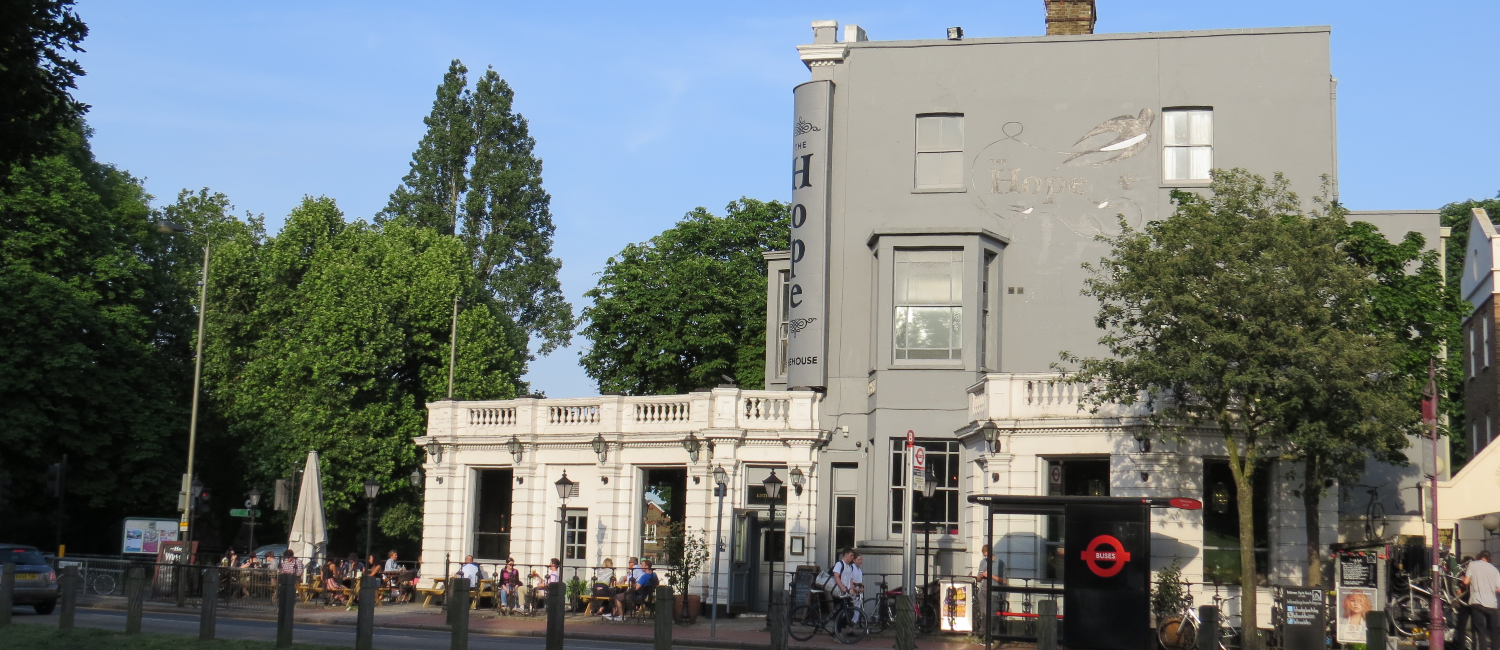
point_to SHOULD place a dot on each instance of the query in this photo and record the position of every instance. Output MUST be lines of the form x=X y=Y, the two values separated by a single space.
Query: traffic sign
x=918 y=460
x=911 y=438
x=242 y=512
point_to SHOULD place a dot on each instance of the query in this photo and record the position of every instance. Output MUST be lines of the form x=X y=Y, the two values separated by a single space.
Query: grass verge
x=46 y=637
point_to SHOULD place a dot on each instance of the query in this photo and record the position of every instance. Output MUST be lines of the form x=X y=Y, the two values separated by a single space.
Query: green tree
x=475 y=174
x=1211 y=316
x=334 y=336
x=1457 y=215
x=93 y=361
x=37 y=75
x=678 y=312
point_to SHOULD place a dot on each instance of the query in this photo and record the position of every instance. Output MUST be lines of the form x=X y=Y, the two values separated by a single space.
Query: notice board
x=1305 y=622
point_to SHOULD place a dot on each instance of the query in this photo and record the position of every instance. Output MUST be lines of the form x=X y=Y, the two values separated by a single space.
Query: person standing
x=1483 y=581
x=991 y=575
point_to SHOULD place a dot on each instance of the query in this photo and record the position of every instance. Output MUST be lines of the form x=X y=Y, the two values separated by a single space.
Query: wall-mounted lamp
x=435 y=452
x=692 y=445
x=515 y=448
x=797 y=480
x=601 y=447
x=991 y=436
x=1142 y=442
x=416 y=478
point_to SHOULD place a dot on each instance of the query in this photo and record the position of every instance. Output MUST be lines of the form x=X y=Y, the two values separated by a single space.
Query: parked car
x=36 y=582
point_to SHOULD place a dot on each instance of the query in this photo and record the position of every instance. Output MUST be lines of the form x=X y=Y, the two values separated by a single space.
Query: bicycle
x=879 y=610
x=845 y=622
x=1375 y=521
x=1181 y=632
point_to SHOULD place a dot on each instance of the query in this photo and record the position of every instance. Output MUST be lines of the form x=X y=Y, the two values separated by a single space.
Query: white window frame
x=955 y=303
x=1187 y=142
x=936 y=146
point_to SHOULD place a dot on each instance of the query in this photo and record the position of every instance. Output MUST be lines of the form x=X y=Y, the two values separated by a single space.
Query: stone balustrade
x=1037 y=395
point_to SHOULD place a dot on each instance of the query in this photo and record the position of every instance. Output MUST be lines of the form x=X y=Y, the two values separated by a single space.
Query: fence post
x=69 y=598
x=286 y=608
x=1208 y=632
x=556 y=603
x=1046 y=625
x=664 y=606
x=776 y=618
x=364 y=625
x=179 y=584
x=906 y=624
x=458 y=612
x=1375 y=631
x=208 y=611
x=135 y=598
x=7 y=592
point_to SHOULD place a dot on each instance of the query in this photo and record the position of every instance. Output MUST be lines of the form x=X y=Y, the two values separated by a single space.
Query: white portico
x=492 y=466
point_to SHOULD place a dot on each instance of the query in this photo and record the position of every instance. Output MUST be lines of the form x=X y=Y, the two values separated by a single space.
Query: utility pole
x=1435 y=637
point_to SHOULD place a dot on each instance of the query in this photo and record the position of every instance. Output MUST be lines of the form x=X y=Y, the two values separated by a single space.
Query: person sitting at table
x=510 y=581
x=333 y=588
x=637 y=594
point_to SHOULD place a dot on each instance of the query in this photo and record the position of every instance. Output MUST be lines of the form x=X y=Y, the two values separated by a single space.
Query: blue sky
x=642 y=111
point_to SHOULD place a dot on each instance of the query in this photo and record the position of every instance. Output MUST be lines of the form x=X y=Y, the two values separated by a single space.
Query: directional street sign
x=242 y=512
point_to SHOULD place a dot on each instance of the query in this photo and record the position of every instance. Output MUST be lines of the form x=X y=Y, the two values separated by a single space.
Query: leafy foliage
x=93 y=354
x=1168 y=592
x=37 y=74
x=1221 y=317
x=686 y=554
x=674 y=314
x=475 y=175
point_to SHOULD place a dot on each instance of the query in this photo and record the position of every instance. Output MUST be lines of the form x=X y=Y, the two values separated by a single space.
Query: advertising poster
x=1354 y=603
x=954 y=613
x=145 y=536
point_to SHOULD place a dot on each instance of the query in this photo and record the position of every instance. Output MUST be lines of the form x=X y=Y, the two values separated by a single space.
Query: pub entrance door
x=745 y=563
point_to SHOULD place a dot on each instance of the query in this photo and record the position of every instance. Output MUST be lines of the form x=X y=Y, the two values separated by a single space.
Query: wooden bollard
x=1046 y=625
x=69 y=598
x=663 y=618
x=458 y=613
x=286 y=608
x=135 y=598
x=364 y=625
x=906 y=624
x=209 y=611
x=556 y=603
x=7 y=592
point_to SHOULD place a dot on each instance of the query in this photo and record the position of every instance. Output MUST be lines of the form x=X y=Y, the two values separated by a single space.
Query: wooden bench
x=591 y=602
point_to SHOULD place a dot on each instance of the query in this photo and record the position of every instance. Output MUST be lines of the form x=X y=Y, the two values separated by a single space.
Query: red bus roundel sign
x=1105 y=549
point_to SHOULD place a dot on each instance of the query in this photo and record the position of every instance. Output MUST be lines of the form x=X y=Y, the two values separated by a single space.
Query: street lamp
x=721 y=489
x=185 y=501
x=991 y=435
x=417 y=479
x=372 y=488
x=772 y=486
x=601 y=448
x=929 y=488
x=692 y=445
x=564 y=490
x=435 y=451
x=252 y=503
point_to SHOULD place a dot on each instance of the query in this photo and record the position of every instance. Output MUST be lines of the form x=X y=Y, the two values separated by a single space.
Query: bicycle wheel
x=1408 y=615
x=103 y=584
x=1178 y=633
x=804 y=622
x=848 y=625
x=1375 y=521
x=877 y=614
x=927 y=619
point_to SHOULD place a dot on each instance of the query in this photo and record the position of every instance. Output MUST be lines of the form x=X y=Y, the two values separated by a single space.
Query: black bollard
x=208 y=612
x=458 y=613
x=663 y=618
x=179 y=584
x=69 y=598
x=1375 y=631
x=776 y=620
x=364 y=625
x=906 y=623
x=448 y=601
x=1208 y=632
x=556 y=604
x=7 y=592
x=135 y=598
x=286 y=608
x=1046 y=625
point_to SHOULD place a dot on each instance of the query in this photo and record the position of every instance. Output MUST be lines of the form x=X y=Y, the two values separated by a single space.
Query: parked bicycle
x=880 y=610
x=1180 y=632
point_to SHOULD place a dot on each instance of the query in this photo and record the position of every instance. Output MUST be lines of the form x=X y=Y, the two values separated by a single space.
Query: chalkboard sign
x=802 y=584
x=1304 y=618
x=1359 y=571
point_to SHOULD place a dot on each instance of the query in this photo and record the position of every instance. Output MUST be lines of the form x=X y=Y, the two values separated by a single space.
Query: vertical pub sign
x=807 y=332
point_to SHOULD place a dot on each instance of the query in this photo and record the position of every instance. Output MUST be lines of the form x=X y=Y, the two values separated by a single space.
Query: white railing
x=1026 y=396
x=720 y=408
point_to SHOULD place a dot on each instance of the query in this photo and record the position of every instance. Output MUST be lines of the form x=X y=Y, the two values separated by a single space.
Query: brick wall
x=1070 y=16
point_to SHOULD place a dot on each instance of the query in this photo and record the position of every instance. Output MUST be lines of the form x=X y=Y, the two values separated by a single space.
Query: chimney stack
x=1070 y=17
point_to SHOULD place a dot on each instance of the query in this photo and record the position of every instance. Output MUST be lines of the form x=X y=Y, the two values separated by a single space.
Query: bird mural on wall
x=1132 y=134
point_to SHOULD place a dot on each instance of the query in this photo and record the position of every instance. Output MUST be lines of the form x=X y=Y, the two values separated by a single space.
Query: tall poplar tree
x=475 y=175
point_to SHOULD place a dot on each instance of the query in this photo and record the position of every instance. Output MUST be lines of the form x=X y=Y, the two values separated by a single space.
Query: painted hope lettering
x=1009 y=181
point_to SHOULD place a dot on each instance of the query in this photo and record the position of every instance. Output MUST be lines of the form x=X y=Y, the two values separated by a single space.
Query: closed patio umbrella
x=309 y=536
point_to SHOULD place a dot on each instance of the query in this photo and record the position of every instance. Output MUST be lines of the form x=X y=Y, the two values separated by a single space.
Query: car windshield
x=21 y=556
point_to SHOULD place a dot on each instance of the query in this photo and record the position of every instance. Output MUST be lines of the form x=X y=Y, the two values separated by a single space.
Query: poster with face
x=1354 y=603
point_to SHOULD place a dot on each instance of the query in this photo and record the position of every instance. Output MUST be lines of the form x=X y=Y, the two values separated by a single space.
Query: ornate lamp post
x=773 y=491
x=692 y=445
x=721 y=489
x=251 y=503
x=564 y=490
x=372 y=489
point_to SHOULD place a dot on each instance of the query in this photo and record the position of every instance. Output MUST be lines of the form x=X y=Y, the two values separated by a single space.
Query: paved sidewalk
x=735 y=633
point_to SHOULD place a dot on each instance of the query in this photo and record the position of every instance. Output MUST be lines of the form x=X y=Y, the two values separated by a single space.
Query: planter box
x=694 y=606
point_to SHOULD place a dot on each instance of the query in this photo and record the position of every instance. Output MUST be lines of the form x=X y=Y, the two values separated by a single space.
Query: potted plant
x=686 y=553
x=576 y=589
